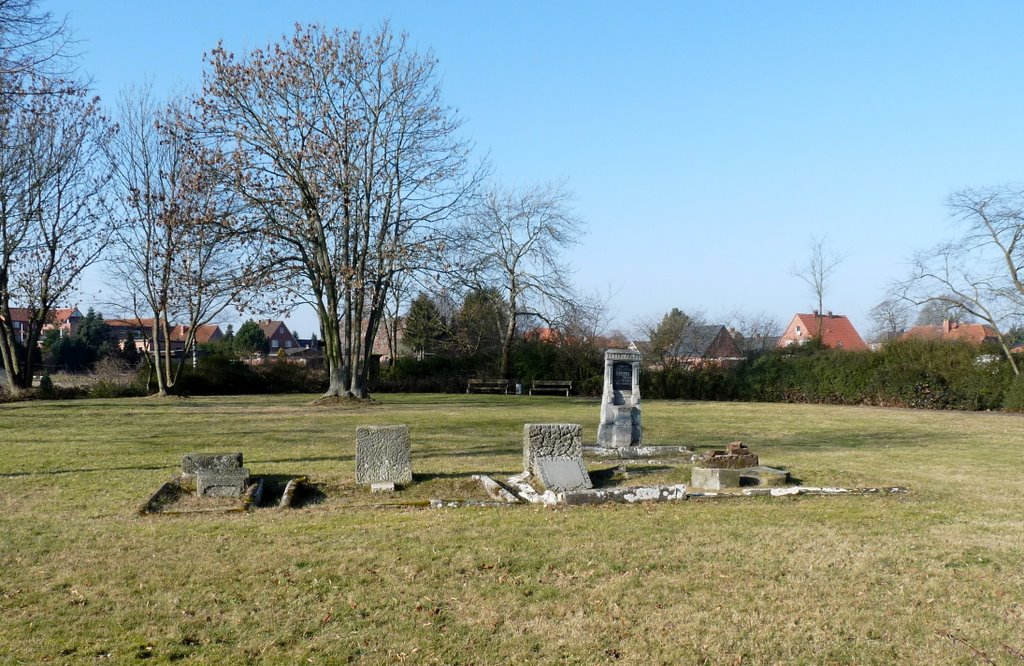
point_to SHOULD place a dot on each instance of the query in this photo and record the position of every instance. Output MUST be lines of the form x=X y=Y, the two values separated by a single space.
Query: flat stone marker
x=551 y=440
x=383 y=455
x=222 y=482
x=562 y=473
x=192 y=462
x=382 y=487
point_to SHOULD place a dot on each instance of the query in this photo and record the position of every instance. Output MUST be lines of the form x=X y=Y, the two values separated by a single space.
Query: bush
x=1013 y=400
x=222 y=375
x=46 y=388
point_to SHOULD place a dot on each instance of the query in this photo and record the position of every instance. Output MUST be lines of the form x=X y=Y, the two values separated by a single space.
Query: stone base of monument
x=712 y=478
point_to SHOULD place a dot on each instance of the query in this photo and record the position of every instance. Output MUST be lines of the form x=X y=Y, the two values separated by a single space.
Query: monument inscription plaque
x=622 y=376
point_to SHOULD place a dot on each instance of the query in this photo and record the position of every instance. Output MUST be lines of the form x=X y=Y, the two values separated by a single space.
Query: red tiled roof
x=837 y=332
x=204 y=333
x=61 y=315
x=20 y=314
x=135 y=322
x=948 y=330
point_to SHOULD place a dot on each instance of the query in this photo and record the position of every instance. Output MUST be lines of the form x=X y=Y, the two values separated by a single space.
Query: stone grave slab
x=551 y=440
x=221 y=482
x=558 y=473
x=383 y=455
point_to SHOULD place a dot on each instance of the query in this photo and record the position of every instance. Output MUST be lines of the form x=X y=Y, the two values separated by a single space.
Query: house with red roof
x=834 y=331
x=951 y=330
x=65 y=320
x=141 y=330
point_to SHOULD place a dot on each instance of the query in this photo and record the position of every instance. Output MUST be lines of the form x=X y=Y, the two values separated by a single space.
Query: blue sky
x=705 y=142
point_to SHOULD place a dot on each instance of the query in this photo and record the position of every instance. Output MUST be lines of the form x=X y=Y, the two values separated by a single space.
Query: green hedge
x=919 y=374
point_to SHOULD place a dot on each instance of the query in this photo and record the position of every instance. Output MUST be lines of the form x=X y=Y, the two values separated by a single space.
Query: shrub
x=46 y=388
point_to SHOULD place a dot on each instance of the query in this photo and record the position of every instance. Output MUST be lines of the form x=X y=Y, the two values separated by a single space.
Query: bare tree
x=34 y=56
x=513 y=242
x=755 y=332
x=937 y=312
x=890 y=318
x=175 y=259
x=52 y=213
x=347 y=160
x=820 y=267
x=981 y=272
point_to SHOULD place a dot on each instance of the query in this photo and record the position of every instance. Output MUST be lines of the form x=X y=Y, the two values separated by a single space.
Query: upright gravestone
x=553 y=453
x=383 y=455
x=620 y=403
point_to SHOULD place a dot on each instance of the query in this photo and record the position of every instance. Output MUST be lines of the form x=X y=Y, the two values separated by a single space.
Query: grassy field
x=934 y=576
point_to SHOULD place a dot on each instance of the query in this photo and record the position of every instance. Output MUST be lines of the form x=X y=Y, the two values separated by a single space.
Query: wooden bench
x=551 y=386
x=490 y=386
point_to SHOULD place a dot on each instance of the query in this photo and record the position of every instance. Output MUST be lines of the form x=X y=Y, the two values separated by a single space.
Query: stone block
x=559 y=473
x=383 y=455
x=221 y=482
x=622 y=435
x=551 y=440
x=764 y=476
x=711 y=478
x=631 y=495
x=736 y=455
x=192 y=462
x=382 y=487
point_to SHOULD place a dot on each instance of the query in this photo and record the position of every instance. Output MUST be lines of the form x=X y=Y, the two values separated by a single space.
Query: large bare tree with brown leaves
x=347 y=160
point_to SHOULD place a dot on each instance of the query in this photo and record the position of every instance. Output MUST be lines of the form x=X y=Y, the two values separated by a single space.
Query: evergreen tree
x=424 y=326
x=130 y=352
x=250 y=339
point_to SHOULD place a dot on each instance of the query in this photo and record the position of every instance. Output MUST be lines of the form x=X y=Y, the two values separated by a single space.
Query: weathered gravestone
x=216 y=474
x=553 y=453
x=222 y=482
x=620 y=425
x=383 y=455
x=192 y=462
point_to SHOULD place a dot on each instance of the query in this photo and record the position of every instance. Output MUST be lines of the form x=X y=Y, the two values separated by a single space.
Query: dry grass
x=936 y=576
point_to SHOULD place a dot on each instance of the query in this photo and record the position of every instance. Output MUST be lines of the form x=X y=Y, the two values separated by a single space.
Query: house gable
x=836 y=332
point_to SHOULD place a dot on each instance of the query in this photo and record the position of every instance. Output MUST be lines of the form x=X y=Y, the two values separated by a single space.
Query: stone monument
x=620 y=425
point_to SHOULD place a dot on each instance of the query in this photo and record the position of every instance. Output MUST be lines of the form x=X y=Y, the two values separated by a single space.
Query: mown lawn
x=934 y=576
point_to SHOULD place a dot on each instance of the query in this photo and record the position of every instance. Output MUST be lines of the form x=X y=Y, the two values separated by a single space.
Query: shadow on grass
x=85 y=470
x=303 y=459
x=469 y=452
x=421 y=477
x=275 y=484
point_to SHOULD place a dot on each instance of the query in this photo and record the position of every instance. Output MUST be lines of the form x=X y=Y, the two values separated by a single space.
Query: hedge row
x=919 y=374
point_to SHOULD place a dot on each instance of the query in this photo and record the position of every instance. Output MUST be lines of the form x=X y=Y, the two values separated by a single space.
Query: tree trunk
x=506 y=348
